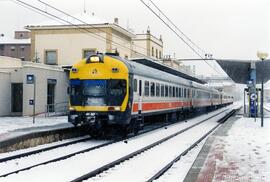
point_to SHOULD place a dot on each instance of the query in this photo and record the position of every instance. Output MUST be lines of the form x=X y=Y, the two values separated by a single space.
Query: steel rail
x=16 y=156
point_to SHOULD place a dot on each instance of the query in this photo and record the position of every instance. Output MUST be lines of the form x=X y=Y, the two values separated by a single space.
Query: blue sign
x=31 y=102
x=30 y=79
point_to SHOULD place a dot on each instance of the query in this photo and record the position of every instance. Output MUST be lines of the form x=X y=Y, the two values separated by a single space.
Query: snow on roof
x=82 y=18
x=8 y=40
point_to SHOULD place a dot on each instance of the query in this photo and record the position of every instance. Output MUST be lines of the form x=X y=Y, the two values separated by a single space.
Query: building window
x=153 y=54
x=12 y=48
x=22 y=48
x=159 y=54
x=126 y=56
x=1 y=47
x=156 y=53
x=51 y=57
x=88 y=52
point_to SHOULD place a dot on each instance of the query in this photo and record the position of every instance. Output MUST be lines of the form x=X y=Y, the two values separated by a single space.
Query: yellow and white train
x=107 y=91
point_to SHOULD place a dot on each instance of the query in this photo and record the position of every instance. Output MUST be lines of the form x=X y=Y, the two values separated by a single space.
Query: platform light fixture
x=262 y=56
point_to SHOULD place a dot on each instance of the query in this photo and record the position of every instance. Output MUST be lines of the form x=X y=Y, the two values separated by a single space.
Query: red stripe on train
x=159 y=105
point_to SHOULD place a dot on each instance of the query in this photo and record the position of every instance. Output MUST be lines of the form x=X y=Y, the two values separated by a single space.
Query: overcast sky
x=225 y=28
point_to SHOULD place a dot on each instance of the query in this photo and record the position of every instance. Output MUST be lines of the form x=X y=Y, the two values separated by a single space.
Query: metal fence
x=57 y=109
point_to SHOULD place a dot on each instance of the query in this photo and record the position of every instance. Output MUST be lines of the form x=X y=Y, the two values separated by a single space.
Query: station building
x=16 y=94
x=149 y=45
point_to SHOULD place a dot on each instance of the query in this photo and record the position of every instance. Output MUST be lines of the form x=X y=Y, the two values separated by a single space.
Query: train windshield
x=97 y=92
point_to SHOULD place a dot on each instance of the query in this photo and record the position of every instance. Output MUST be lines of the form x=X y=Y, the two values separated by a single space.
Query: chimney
x=148 y=30
x=116 y=21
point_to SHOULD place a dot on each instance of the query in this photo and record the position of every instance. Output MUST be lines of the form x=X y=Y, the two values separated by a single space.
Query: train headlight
x=117 y=108
x=114 y=108
x=72 y=109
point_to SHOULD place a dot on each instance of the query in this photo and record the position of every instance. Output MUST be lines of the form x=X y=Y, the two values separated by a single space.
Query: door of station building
x=16 y=97
x=51 y=95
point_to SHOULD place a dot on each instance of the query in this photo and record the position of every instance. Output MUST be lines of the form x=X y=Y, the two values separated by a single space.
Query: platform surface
x=238 y=151
x=11 y=127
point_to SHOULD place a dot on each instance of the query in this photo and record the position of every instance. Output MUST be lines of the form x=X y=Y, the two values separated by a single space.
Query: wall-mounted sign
x=30 y=79
x=31 y=102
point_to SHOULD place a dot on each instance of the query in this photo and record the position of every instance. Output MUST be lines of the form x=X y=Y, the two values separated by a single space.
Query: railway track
x=133 y=159
x=94 y=149
x=44 y=149
x=18 y=155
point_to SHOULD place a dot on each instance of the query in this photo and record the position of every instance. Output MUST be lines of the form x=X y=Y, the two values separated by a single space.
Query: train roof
x=158 y=66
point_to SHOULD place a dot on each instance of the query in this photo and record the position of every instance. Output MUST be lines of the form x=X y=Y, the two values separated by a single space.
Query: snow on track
x=16 y=152
x=31 y=160
x=81 y=164
x=143 y=166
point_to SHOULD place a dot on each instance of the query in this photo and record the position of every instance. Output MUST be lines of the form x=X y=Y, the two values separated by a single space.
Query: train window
x=170 y=91
x=173 y=92
x=180 y=91
x=166 y=91
x=162 y=90
x=176 y=92
x=152 y=89
x=157 y=89
x=185 y=92
x=135 y=85
x=146 y=88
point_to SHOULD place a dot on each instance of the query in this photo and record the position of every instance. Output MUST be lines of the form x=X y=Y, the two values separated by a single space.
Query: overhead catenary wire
x=80 y=27
x=175 y=26
x=177 y=34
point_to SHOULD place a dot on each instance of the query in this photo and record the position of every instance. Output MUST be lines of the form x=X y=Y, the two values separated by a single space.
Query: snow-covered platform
x=237 y=151
x=15 y=130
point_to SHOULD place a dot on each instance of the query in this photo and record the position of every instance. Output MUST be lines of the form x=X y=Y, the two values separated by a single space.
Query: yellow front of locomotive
x=99 y=91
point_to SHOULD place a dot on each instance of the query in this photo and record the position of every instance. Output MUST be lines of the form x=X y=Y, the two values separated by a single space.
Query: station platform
x=16 y=130
x=237 y=151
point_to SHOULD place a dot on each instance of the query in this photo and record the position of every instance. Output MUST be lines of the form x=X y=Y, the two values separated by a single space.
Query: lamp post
x=262 y=56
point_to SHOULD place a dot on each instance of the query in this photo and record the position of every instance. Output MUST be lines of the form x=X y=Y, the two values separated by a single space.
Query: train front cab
x=99 y=93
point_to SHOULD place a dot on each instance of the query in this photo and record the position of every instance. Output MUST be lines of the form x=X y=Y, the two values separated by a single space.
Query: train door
x=190 y=97
x=140 y=98
x=140 y=117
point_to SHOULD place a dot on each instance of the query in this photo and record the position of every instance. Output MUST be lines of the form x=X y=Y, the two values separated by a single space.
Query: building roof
x=84 y=17
x=8 y=40
x=83 y=20
x=239 y=70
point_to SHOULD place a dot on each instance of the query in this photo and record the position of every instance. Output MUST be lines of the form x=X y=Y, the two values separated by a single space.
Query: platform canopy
x=239 y=70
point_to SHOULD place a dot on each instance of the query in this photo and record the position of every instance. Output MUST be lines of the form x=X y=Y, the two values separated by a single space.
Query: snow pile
x=12 y=123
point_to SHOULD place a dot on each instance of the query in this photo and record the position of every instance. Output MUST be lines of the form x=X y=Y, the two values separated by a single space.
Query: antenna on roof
x=84 y=9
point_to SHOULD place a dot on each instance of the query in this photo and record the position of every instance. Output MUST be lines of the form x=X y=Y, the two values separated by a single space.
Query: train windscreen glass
x=97 y=92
